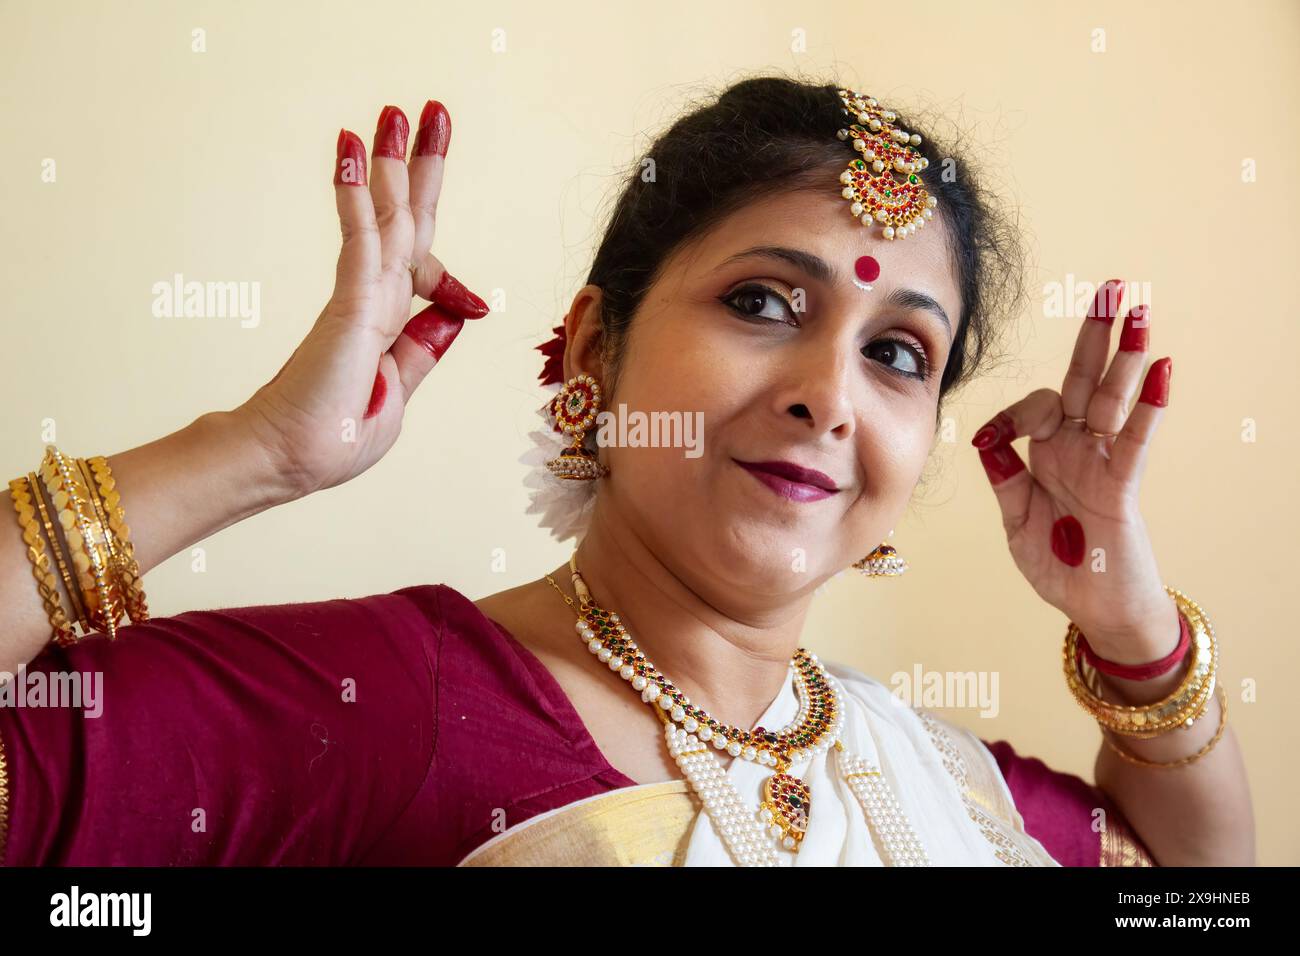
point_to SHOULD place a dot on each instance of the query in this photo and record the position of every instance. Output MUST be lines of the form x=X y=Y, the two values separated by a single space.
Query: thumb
x=424 y=340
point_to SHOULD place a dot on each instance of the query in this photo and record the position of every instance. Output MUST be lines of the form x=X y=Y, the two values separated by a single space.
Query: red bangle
x=1140 y=671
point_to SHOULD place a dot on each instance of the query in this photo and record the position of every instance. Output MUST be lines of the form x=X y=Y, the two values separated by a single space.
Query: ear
x=582 y=332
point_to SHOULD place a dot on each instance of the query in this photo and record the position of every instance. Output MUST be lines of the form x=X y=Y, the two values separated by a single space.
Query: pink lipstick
x=790 y=480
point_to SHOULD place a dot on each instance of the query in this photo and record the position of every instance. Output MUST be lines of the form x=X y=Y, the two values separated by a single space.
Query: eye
x=916 y=363
x=753 y=301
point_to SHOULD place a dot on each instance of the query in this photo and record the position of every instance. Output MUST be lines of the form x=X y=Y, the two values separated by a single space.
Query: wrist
x=257 y=479
x=1153 y=639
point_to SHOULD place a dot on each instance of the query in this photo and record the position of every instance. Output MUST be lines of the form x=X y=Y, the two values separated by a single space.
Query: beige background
x=217 y=165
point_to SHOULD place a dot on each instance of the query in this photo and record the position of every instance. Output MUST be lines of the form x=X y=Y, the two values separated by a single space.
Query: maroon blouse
x=401 y=728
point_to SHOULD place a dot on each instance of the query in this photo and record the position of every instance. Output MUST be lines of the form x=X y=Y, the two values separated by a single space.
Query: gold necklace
x=787 y=800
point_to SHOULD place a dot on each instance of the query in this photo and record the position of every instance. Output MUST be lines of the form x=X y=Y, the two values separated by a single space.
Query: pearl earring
x=884 y=561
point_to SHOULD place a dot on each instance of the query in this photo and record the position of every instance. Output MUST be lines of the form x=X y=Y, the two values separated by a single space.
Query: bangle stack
x=71 y=509
x=1179 y=710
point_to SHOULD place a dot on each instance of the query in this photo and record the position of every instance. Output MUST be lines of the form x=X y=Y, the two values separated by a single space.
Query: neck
x=728 y=653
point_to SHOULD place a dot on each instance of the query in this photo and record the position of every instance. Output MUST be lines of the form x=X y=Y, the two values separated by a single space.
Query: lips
x=792 y=472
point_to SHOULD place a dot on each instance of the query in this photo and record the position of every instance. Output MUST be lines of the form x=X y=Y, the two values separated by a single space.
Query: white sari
x=945 y=781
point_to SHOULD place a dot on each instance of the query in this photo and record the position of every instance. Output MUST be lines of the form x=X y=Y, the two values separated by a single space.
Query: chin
x=754 y=555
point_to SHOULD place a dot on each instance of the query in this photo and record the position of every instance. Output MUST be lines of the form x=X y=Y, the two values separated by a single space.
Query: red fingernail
x=1155 y=388
x=350 y=165
x=434 y=134
x=1001 y=462
x=377 y=395
x=1067 y=540
x=997 y=431
x=454 y=297
x=391 y=133
x=1105 y=304
x=435 y=329
x=1133 y=337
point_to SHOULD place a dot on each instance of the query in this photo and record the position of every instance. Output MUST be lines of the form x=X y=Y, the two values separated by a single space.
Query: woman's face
x=784 y=365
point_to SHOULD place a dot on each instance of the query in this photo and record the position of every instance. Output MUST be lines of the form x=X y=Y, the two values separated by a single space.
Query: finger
x=1037 y=416
x=1012 y=484
x=359 y=258
x=389 y=188
x=1091 y=347
x=1108 y=407
x=425 y=175
x=435 y=283
x=1128 y=455
x=422 y=344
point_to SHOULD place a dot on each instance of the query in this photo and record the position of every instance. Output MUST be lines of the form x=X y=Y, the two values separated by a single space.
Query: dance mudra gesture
x=796 y=275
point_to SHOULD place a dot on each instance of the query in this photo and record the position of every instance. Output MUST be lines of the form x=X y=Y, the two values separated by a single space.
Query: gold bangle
x=1180 y=708
x=57 y=546
x=46 y=583
x=109 y=500
x=78 y=560
x=84 y=536
x=1193 y=712
x=69 y=580
x=1183 y=761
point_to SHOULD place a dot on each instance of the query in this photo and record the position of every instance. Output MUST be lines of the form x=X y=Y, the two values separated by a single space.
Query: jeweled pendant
x=789 y=800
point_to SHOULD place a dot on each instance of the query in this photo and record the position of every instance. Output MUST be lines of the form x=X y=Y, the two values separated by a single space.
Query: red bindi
x=867 y=270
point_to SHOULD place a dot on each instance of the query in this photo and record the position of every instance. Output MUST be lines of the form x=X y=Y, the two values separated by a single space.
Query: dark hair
x=770 y=134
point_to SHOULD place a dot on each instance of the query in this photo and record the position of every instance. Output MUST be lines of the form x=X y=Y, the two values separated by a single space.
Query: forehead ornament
x=882 y=183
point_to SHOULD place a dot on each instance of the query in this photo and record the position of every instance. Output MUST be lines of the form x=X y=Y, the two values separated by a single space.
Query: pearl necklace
x=782 y=817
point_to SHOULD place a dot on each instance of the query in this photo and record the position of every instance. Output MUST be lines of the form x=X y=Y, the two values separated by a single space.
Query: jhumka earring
x=574 y=410
x=884 y=561
x=900 y=206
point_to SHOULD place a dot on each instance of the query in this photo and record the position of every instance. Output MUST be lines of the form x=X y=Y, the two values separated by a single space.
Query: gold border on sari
x=984 y=793
x=651 y=824
x=1120 y=846
x=4 y=800
x=644 y=825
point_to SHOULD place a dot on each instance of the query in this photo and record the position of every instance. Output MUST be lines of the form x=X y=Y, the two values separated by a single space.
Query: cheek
x=892 y=452
x=687 y=370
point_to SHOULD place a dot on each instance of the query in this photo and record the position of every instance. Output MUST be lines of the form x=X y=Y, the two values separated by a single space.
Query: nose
x=818 y=386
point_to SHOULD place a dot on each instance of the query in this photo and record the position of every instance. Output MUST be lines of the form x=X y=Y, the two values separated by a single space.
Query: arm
x=240 y=713
x=333 y=409
x=180 y=489
x=1077 y=535
x=1196 y=815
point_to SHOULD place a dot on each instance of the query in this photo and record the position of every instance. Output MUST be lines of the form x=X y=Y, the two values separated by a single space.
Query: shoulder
x=301 y=730
x=419 y=612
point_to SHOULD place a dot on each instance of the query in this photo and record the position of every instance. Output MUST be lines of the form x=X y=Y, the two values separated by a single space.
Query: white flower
x=565 y=505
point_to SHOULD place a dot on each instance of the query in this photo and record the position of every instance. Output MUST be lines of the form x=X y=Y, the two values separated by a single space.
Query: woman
x=422 y=727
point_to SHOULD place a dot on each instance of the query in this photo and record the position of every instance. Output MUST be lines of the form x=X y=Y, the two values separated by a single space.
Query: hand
x=336 y=405
x=1072 y=519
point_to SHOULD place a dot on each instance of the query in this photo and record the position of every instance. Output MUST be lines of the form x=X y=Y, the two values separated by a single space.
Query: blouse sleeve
x=278 y=734
x=1059 y=810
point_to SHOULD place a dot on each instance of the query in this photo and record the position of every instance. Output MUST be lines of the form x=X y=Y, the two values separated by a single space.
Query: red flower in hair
x=553 y=371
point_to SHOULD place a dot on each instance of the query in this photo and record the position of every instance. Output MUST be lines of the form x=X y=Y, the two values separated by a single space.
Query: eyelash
x=923 y=359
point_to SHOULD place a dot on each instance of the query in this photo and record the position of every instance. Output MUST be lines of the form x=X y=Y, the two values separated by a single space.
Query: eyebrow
x=824 y=272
